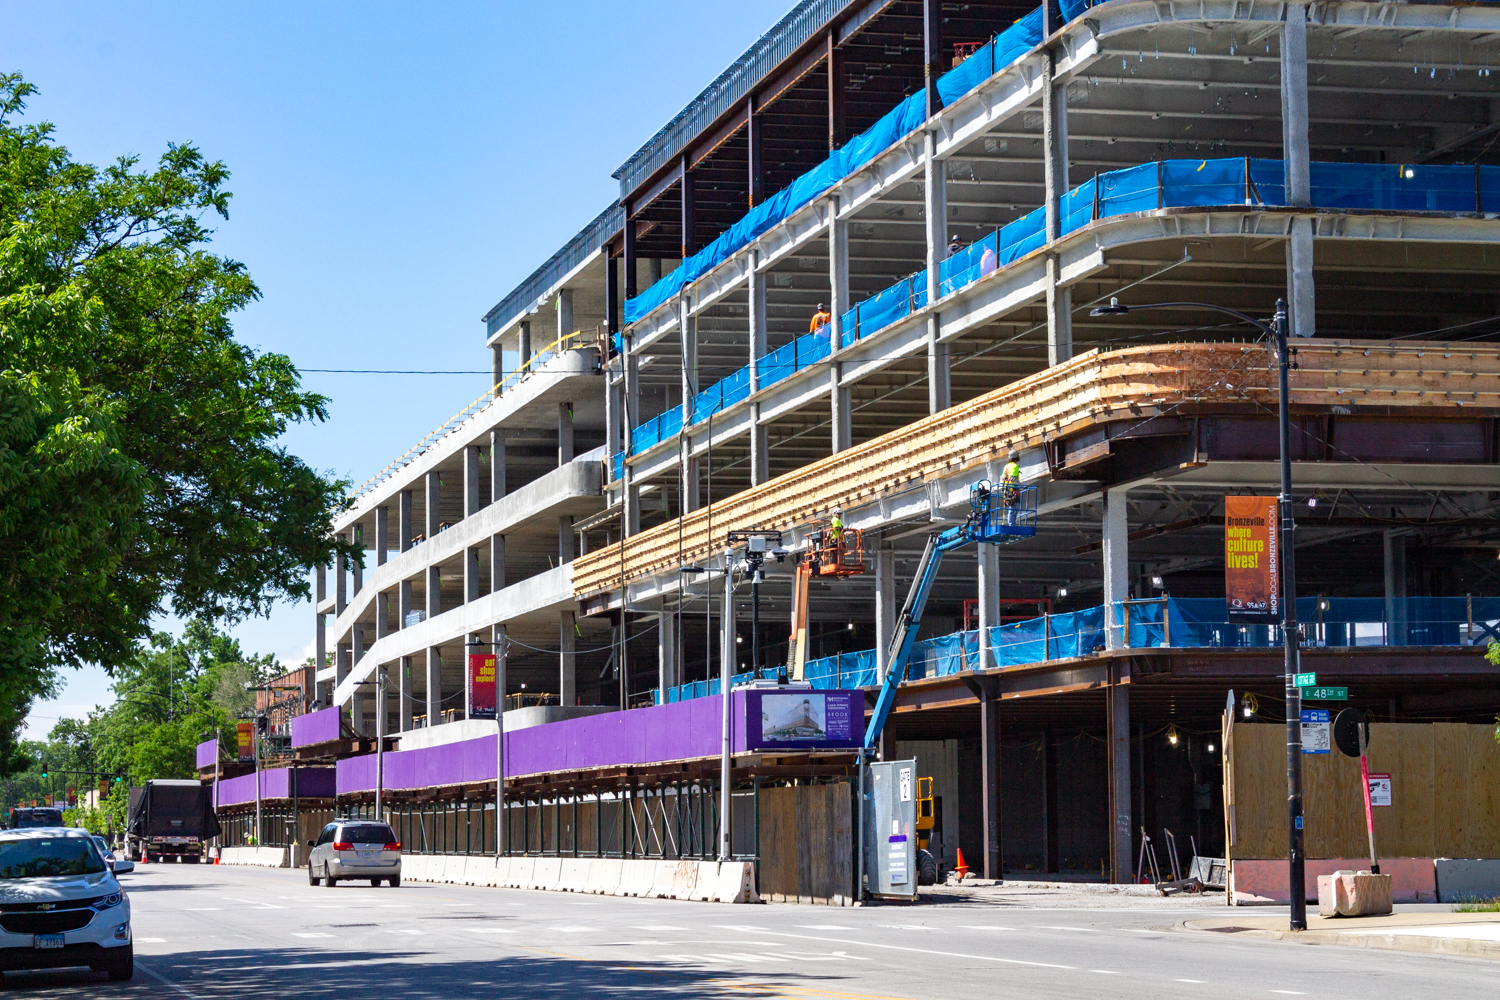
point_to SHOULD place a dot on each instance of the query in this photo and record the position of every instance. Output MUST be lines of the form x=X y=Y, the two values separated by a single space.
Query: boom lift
x=995 y=515
x=828 y=554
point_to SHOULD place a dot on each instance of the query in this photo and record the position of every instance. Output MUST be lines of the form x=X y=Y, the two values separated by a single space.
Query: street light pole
x=1276 y=330
x=1290 y=640
x=726 y=674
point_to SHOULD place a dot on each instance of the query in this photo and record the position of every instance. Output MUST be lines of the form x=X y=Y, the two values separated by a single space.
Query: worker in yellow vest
x=1010 y=486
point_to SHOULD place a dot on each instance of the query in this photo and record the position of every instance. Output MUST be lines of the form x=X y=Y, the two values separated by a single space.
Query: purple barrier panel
x=275 y=783
x=315 y=783
x=479 y=759
x=208 y=753
x=357 y=774
x=233 y=791
x=315 y=727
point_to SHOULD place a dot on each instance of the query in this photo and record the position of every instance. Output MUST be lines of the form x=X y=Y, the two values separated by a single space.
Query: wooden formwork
x=1094 y=387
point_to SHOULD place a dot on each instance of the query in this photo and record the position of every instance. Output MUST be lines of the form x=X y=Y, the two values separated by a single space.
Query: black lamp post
x=1276 y=330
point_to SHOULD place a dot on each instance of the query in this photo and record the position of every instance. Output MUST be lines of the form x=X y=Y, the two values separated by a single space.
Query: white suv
x=60 y=904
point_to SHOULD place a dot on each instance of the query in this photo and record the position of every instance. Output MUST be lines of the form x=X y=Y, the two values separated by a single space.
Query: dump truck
x=170 y=820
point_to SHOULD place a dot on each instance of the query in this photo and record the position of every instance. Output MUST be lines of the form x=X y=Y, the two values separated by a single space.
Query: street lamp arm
x=1116 y=309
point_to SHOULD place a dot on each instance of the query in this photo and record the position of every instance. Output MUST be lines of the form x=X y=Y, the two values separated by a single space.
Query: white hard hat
x=837 y=509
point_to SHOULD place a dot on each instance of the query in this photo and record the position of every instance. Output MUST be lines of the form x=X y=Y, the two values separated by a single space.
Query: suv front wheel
x=121 y=964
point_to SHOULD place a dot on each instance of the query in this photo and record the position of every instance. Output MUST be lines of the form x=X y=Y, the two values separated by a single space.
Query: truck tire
x=927 y=869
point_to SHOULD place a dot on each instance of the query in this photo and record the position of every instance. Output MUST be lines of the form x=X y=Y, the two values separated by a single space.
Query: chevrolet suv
x=60 y=904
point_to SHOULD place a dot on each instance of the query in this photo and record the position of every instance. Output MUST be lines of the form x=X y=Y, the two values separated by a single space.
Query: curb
x=1417 y=943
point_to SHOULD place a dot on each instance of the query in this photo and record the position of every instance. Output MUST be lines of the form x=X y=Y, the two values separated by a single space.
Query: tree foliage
x=139 y=468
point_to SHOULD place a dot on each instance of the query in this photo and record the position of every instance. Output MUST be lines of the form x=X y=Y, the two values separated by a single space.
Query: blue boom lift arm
x=995 y=515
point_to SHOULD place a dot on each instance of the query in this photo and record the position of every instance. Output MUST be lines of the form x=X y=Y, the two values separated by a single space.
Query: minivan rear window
x=367 y=833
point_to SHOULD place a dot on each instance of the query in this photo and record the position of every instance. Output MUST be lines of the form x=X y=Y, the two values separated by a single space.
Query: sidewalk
x=1020 y=892
x=1476 y=935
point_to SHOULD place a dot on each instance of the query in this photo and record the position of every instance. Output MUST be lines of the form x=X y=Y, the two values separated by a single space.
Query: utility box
x=890 y=829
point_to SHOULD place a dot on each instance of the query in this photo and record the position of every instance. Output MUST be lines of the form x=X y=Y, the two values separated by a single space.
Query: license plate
x=368 y=854
x=47 y=940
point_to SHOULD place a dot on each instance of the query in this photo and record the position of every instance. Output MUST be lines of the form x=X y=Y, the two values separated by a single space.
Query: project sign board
x=482 y=685
x=805 y=720
x=1252 y=578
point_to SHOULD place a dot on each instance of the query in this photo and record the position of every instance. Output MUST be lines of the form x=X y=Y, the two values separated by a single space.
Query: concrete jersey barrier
x=704 y=881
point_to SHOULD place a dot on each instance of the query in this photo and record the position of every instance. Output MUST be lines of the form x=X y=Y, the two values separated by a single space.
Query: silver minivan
x=354 y=849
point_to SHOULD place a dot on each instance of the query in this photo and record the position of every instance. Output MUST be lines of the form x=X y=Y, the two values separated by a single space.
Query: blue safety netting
x=1175 y=622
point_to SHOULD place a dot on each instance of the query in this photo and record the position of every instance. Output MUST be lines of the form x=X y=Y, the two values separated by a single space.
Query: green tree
x=138 y=460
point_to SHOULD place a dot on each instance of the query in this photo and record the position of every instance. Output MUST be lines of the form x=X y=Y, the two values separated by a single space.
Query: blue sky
x=397 y=168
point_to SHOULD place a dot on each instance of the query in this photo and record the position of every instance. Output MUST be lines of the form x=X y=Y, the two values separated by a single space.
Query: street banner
x=482 y=685
x=245 y=739
x=1252 y=577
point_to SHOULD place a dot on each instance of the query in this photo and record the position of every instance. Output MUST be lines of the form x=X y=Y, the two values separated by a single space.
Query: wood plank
x=1451 y=790
x=1484 y=792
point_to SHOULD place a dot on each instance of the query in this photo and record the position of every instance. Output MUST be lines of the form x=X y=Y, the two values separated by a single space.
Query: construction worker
x=836 y=526
x=954 y=244
x=820 y=319
x=1010 y=486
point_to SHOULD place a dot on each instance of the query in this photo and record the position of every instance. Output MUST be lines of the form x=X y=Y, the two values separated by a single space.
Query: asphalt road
x=207 y=932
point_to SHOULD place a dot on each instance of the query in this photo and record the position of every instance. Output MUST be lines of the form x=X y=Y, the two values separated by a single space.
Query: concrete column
x=404 y=528
x=668 y=675
x=688 y=466
x=340 y=583
x=564 y=434
x=565 y=539
x=434 y=686
x=1055 y=169
x=886 y=607
x=989 y=781
x=1395 y=588
x=653 y=270
x=1049 y=804
x=497 y=465
x=1296 y=152
x=320 y=584
x=320 y=640
x=1116 y=565
x=382 y=534
x=567 y=682
x=382 y=616
x=340 y=663
x=989 y=602
x=356 y=567
x=564 y=314
x=404 y=697
x=434 y=504
x=755 y=288
x=613 y=387
x=434 y=591
x=471 y=480
x=497 y=367
x=939 y=392
x=403 y=603
x=471 y=574
x=523 y=345
x=497 y=563
x=1117 y=739
x=838 y=304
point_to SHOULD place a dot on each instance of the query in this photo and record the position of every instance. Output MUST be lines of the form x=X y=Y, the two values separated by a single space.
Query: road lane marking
x=984 y=927
x=406 y=930
x=141 y=940
x=1295 y=993
x=1105 y=972
x=920 y=951
x=313 y=935
x=575 y=930
x=167 y=982
x=203 y=909
x=254 y=904
x=826 y=927
x=1199 y=982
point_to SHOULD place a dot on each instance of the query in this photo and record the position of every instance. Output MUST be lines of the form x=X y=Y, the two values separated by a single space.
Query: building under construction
x=896 y=244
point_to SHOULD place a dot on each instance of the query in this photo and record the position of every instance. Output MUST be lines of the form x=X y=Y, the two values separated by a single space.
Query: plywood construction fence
x=807 y=844
x=1097 y=386
x=1445 y=794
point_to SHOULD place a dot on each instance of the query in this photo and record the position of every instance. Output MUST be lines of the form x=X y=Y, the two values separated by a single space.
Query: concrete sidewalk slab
x=1474 y=935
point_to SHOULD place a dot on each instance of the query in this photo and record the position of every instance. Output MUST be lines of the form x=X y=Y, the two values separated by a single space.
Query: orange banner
x=1252 y=577
x=245 y=738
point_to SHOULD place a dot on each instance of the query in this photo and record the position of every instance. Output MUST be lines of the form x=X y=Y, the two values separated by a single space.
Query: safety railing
x=1147 y=187
x=1165 y=622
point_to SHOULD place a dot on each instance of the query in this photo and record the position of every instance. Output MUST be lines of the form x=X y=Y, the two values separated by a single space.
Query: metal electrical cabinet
x=890 y=829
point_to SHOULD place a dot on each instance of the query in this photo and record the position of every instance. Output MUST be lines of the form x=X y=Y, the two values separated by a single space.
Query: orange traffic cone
x=961 y=868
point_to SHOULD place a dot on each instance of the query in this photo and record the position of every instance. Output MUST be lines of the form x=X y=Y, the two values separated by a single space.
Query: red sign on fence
x=481 y=685
x=1252 y=578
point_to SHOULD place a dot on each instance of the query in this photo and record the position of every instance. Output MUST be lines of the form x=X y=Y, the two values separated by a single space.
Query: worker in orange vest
x=820 y=319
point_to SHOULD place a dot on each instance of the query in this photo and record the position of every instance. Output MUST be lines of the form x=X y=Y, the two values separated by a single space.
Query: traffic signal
x=44 y=770
x=262 y=724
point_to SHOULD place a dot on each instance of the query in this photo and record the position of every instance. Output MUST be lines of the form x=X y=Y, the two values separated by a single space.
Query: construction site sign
x=482 y=685
x=1252 y=580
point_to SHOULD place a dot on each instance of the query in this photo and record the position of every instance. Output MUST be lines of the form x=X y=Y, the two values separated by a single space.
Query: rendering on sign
x=245 y=741
x=1316 y=731
x=805 y=719
x=1252 y=581
x=1380 y=789
x=482 y=685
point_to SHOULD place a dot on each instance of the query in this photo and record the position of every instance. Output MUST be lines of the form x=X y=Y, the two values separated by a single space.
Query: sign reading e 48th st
x=1325 y=694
